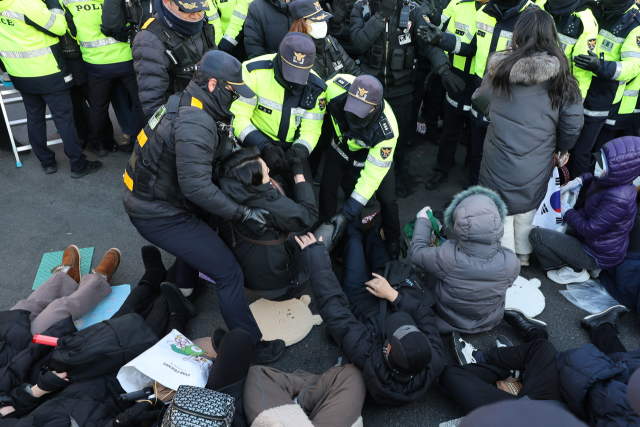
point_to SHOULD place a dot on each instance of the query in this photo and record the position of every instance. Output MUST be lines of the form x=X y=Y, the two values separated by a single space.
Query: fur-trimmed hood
x=476 y=215
x=531 y=70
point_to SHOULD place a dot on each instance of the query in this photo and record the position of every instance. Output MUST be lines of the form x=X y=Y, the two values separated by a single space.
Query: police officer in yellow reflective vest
x=228 y=18
x=458 y=16
x=366 y=133
x=616 y=65
x=287 y=112
x=491 y=31
x=31 y=54
x=106 y=60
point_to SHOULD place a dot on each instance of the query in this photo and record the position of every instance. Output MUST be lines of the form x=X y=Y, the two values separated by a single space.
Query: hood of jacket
x=280 y=6
x=622 y=158
x=476 y=215
x=529 y=71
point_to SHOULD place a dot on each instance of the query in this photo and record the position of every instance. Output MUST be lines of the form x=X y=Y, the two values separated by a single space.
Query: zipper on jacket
x=386 y=51
x=198 y=414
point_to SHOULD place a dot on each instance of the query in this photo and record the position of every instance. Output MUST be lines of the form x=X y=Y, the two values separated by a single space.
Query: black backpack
x=103 y=348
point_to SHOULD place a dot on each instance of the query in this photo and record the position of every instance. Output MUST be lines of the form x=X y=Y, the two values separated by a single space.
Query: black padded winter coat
x=332 y=59
x=268 y=21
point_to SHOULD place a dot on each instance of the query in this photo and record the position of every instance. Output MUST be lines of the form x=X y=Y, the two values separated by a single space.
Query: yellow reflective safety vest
x=372 y=157
x=269 y=117
x=96 y=47
x=213 y=18
x=32 y=56
x=230 y=16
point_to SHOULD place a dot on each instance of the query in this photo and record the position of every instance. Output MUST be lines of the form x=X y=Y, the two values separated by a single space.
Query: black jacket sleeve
x=350 y=66
x=193 y=132
x=297 y=214
x=114 y=17
x=254 y=37
x=350 y=334
x=364 y=35
x=151 y=64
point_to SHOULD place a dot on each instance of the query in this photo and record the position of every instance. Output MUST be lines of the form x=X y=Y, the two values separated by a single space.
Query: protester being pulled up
x=270 y=262
x=602 y=225
x=390 y=335
x=534 y=105
x=471 y=272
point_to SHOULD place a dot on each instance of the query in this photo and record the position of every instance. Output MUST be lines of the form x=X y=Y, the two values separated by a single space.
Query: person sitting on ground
x=602 y=225
x=390 y=335
x=271 y=262
x=590 y=381
x=334 y=398
x=471 y=273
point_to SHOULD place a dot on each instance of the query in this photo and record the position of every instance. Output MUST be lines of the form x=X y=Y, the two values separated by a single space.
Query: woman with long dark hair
x=535 y=108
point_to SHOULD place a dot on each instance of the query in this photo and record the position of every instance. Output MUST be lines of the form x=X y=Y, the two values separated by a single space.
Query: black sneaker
x=317 y=180
x=267 y=352
x=7 y=148
x=464 y=350
x=436 y=179
x=502 y=341
x=52 y=168
x=177 y=302
x=216 y=338
x=522 y=323
x=401 y=189
x=610 y=315
x=126 y=148
x=98 y=150
x=89 y=167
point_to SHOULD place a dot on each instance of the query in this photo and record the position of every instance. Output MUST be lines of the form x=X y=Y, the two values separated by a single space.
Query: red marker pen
x=45 y=340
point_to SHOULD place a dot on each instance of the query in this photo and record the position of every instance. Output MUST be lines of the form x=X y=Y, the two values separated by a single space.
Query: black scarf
x=186 y=28
x=363 y=129
x=612 y=8
x=216 y=103
x=561 y=8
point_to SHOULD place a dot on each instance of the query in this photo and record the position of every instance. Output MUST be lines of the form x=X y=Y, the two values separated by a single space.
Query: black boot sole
x=172 y=292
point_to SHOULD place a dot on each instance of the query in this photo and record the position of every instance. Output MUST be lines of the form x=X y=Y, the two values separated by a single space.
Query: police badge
x=385 y=152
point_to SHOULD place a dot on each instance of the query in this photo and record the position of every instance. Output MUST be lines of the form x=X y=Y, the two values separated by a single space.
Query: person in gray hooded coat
x=472 y=272
x=535 y=108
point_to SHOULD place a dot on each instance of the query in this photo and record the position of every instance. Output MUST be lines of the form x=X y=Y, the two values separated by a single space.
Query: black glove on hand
x=428 y=7
x=138 y=414
x=255 y=219
x=275 y=159
x=48 y=381
x=340 y=222
x=386 y=8
x=430 y=34
x=298 y=151
x=225 y=46
x=296 y=165
x=589 y=62
x=339 y=11
x=451 y=82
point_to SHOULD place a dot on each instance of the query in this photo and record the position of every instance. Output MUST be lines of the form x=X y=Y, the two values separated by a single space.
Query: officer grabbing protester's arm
x=287 y=112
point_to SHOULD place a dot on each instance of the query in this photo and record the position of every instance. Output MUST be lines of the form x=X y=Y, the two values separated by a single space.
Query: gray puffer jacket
x=525 y=131
x=472 y=272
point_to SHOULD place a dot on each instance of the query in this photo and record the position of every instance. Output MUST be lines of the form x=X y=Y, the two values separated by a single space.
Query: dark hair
x=535 y=32
x=299 y=26
x=244 y=166
x=200 y=78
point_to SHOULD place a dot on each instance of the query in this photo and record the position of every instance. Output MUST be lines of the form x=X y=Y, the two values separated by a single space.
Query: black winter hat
x=410 y=349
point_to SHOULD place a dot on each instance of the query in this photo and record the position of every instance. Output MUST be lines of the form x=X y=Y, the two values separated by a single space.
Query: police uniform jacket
x=152 y=65
x=183 y=181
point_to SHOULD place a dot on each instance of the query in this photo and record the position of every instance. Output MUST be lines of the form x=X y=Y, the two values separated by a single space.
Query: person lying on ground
x=590 y=381
x=472 y=271
x=270 y=262
x=602 y=225
x=390 y=335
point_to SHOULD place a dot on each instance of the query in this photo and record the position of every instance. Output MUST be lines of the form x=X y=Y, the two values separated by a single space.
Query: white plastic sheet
x=590 y=296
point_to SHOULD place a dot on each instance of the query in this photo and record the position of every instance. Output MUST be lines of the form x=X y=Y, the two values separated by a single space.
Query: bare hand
x=307 y=240
x=379 y=287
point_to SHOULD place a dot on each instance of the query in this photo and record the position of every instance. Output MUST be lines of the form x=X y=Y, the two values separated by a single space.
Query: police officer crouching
x=366 y=133
x=168 y=181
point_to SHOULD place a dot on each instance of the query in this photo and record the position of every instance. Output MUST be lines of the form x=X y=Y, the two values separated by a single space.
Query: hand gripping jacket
x=142 y=170
x=183 y=59
x=372 y=157
x=274 y=114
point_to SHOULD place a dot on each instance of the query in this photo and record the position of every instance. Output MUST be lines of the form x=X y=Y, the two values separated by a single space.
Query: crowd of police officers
x=153 y=47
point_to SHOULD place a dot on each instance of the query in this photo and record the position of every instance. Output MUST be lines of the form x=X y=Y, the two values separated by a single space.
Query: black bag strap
x=383 y=305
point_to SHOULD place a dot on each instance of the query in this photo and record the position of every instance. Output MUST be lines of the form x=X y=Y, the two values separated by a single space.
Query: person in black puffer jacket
x=399 y=351
x=268 y=21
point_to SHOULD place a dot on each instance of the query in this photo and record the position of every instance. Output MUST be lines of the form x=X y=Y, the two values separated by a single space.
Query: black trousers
x=592 y=137
x=451 y=132
x=62 y=111
x=401 y=106
x=556 y=250
x=478 y=134
x=81 y=111
x=334 y=171
x=4 y=132
x=99 y=100
x=199 y=248
x=432 y=104
x=423 y=67
x=324 y=142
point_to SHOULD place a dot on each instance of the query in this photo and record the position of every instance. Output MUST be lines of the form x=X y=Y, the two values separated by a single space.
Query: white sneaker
x=595 y=273
x=464 y=350
x=566 y=275
x=524 y=259
x=5 y=77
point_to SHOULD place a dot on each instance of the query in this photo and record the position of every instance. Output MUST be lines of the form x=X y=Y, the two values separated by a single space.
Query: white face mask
x=599 y=172
x=318 y=29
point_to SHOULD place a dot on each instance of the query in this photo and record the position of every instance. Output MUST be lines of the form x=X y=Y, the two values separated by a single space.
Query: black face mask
x=357 y=123
x=222 y=98
x=613 y=7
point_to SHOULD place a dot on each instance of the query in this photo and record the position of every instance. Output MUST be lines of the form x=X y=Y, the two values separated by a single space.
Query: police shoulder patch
x=591 y=44
x=638 y=40
x=342 y=83
x=322 y=103
x=385 y=152
x=386 y=127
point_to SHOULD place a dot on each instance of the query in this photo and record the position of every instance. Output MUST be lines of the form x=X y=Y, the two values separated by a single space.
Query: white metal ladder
x=7 y=92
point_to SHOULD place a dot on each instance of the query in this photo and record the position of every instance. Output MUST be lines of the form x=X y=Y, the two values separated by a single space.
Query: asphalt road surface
x=43 y=213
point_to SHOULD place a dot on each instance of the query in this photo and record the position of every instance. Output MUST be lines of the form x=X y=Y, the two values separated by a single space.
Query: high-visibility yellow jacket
x=228 y=18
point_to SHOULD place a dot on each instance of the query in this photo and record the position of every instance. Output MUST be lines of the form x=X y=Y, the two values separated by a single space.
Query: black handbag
x=103 y=348
x=196 y=406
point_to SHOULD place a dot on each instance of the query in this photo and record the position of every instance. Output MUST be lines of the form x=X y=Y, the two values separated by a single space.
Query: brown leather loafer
x=109 y=264
x=70 y=258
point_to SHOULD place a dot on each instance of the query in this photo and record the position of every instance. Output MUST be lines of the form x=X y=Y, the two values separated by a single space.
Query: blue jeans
x=354 y=265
